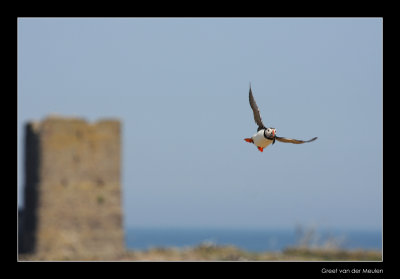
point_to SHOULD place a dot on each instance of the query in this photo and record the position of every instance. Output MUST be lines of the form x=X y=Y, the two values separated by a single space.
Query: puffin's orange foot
x=249 y=140
x=260 y=148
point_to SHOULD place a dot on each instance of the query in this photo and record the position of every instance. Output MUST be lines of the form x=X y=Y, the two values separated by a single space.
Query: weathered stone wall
x=73 y=204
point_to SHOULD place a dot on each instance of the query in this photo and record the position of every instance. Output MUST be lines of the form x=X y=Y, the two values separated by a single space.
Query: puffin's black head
x=269 y=133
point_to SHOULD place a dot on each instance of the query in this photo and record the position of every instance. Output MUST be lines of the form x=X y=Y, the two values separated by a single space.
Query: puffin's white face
x=270 y=132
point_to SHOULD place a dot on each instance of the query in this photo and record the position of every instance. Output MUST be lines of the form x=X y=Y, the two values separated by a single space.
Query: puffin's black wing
x=295 y=141
x=256 y=112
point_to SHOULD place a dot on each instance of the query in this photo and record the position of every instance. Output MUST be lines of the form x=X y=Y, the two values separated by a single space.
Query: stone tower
x=72 y=206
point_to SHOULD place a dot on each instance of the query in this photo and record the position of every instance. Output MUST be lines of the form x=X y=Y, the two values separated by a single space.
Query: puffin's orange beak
x=273 y=133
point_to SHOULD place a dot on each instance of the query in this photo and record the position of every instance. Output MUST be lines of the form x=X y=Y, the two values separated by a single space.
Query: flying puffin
x=266 y=136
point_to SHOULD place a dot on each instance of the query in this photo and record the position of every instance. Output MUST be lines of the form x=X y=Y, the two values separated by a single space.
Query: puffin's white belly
x=260 y=140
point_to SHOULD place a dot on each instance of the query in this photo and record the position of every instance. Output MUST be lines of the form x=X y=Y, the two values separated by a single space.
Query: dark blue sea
x=256 y=240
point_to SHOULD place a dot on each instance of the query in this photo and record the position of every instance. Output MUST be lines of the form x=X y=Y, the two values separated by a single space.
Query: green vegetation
x=310 y=246
x=211 y=252
x=207 y=252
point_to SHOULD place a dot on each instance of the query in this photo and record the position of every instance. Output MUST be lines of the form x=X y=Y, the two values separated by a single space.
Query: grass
x=206 y=252
x=231 y=253
x=309 y=247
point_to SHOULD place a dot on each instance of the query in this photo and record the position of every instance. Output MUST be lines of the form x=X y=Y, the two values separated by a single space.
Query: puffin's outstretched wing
x=295 y=141
x=256 y=112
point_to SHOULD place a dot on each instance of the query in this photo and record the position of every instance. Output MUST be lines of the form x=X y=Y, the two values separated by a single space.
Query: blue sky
x=180 y=87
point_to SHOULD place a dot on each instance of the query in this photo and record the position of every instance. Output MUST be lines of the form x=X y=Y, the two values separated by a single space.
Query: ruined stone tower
x=72 y=206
